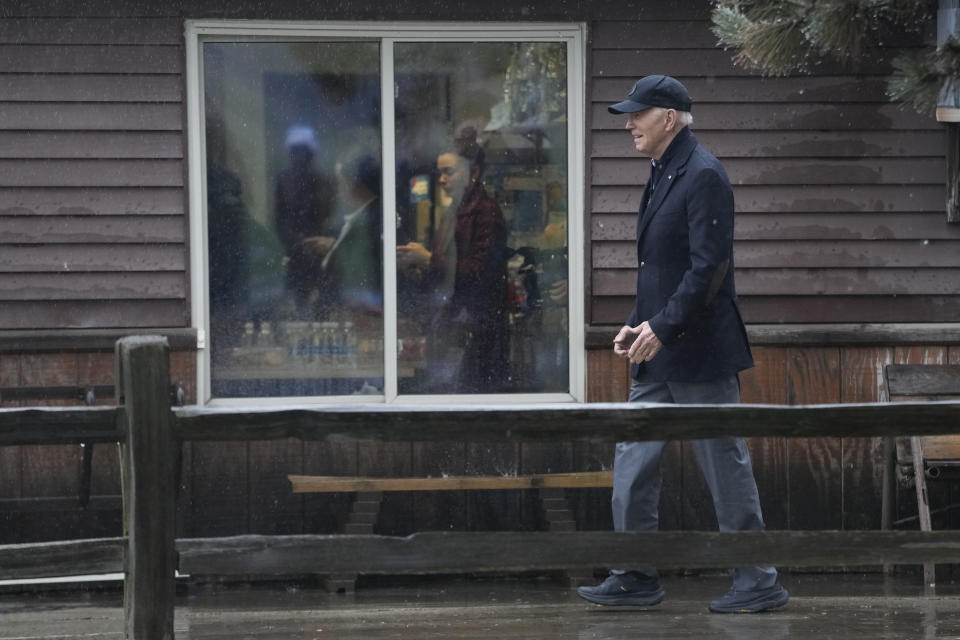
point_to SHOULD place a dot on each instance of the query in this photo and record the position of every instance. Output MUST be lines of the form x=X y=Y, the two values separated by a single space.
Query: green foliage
x=780 y=37
x=919 y=78
x=730 y=26
x=769 y=36
x=914 y=82
x=838 y=27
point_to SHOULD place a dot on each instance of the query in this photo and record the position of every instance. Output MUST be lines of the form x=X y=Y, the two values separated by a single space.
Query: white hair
x=684 y=118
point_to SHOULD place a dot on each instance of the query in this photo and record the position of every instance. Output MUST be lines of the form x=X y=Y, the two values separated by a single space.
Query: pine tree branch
x=919 y=78
x=778 y=37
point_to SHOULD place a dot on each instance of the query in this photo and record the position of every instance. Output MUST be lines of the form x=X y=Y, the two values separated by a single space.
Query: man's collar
x=682 y=136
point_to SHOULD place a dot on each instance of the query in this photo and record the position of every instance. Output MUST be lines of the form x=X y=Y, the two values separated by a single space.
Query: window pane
x=294 y=218
x=482 y=217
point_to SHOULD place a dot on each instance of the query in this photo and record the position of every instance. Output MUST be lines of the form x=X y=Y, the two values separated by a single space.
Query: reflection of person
x=468 y=258
x=227 y=226
x=685 y=341
x=553 y=259
x=549 y=337
x=303 y=202
x=352 y=261
x=227 y=222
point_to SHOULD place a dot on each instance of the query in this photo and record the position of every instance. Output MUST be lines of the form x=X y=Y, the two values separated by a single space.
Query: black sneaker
x=625 y=589
x=751 y=601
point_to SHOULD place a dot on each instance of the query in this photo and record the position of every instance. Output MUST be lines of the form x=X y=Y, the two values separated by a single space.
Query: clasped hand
x=638 y=344
x=413 y=254
x=317 y=246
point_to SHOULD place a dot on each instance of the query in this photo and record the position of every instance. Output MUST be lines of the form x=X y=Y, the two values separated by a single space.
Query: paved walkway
x=850 y=607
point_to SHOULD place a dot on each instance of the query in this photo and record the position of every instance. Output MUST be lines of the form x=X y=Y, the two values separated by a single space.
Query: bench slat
x=332 y=484
x=941 y=448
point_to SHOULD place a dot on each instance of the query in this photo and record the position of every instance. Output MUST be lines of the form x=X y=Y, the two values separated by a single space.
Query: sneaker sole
x=625 y=600
x=757 y=607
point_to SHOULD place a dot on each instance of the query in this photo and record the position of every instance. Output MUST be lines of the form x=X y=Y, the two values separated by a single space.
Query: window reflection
x=481 y=255
x=463 y=276
x=294 y=218
x=303 y=203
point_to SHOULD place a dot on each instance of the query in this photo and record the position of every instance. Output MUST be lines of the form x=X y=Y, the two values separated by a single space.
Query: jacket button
x=642 y=263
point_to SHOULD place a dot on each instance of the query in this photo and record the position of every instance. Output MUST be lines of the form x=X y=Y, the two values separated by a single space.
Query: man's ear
x=671 y=119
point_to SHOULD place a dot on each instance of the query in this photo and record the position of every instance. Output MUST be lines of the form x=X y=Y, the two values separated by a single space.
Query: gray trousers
x=725 y=463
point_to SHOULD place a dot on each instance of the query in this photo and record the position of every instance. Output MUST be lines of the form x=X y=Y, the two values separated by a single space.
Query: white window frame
x=388 y=34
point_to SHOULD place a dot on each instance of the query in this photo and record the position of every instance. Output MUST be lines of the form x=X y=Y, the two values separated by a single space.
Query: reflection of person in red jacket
x=466 y=268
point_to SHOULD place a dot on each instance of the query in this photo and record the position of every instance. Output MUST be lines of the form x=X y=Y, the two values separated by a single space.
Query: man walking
x=685 y=341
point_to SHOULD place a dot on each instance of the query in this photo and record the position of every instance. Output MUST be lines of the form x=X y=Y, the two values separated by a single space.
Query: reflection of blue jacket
x=685 y=283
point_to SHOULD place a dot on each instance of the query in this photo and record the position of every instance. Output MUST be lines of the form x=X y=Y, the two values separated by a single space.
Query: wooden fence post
x=143 y=381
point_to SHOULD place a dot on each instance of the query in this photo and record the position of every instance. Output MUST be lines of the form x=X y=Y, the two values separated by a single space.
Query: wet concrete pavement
x=851 y=607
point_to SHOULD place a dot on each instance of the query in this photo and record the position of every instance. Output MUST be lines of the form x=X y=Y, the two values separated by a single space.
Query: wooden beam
x=598 y=422
x=59 y=425
x=601 y=336
x=457 y=552
x=18 y=340
x=610 y=422
x=854 y=333
x=923 y=379
x=53 y=559
x=59 y=504
x=424 y=553
x=333 y=484
x=147 y=464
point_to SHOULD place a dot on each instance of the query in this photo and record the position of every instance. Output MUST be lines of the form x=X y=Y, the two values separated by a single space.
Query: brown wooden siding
x=236 y=488
x=836 y=188
x=840 y=194
x=92 y=225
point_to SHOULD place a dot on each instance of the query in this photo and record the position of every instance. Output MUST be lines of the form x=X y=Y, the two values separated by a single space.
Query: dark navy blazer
x=685 y=283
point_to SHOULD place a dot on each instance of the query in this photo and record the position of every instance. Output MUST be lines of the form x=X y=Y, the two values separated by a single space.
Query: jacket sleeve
x=486 y=234
x=709 y=204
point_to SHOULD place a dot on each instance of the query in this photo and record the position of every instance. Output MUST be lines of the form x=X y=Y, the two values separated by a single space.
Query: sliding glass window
x=386 y=213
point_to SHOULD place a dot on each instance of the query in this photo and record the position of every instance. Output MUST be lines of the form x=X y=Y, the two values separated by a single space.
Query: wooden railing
x=148 y=429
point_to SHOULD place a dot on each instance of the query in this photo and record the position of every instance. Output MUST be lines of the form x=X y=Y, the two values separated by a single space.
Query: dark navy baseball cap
x=655 y=91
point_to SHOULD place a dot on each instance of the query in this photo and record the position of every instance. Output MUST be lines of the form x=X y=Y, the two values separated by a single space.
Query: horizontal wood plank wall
x=839 y=193
x=92 y=226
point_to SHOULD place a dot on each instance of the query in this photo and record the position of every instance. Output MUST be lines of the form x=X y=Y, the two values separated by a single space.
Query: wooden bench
x=918 y=459
x=369 y=493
